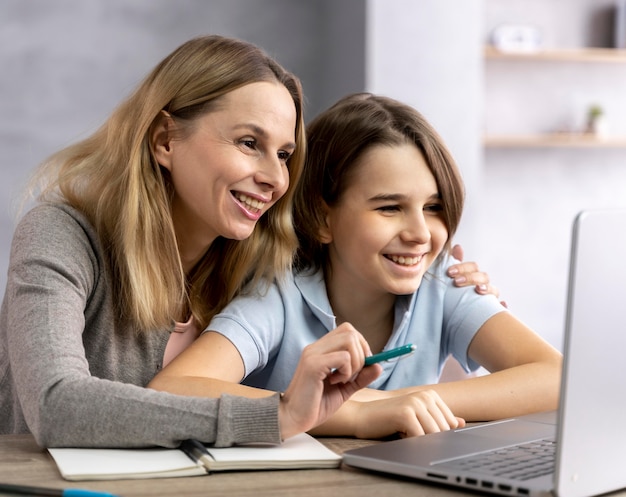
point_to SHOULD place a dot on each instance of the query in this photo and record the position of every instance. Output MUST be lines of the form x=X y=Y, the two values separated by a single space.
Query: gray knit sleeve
x=73 y=377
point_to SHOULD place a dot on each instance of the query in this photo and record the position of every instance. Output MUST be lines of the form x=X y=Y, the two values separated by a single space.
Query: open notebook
x=301 y=451
x=577 y=451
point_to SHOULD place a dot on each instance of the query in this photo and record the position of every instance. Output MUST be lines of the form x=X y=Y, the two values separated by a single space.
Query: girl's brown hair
x=338 y=137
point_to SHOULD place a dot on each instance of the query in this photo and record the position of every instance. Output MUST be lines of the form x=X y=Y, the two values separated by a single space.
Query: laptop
x=576 y=451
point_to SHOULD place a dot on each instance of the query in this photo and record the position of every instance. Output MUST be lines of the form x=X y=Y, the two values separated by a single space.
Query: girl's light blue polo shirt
x=270 y=330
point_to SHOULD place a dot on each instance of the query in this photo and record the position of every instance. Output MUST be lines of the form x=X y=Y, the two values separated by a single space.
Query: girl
x=377 y=206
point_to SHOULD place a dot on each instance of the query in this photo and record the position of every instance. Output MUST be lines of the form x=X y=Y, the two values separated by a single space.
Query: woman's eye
x=284 y=156
x=249 y=143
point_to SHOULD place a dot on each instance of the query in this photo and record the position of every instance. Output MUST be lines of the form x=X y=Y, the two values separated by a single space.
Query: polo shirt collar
x=313 y=291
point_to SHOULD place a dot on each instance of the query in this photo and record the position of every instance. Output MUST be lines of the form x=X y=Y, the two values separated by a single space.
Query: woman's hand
x=408 y=415
x=468 y=274
x=328 y=373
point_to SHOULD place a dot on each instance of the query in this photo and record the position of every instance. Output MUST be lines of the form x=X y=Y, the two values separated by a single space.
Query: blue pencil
x=54 y=492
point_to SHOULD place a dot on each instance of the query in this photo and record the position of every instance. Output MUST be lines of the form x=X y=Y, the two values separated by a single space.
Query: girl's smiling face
x=387 y=227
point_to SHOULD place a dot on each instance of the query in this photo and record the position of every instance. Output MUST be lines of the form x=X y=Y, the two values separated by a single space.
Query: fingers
x=338 y=358
x=363 y=378
x=487 y=289
x=410 y=415
x=457 y=252
x=468 y=274
x=341 y=352
x=330 y=370
x=431 y=415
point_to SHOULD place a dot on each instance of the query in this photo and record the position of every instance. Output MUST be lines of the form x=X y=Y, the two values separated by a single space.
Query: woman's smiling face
x=232 y=167
x=387 y=227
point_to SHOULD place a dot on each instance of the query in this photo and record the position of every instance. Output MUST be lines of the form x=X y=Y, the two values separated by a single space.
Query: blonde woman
x=142 y=233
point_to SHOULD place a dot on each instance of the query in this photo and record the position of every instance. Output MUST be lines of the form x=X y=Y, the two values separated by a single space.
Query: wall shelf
x=569 y=140
x=611 y=55
x=563 y=139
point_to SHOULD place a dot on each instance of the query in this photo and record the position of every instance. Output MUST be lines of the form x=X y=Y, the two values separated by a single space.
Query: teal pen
x=390 y=354
x=56 y=492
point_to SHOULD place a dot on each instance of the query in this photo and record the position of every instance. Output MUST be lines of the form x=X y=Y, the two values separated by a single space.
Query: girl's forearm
x=522 y=389
x=340 y=424
x=512 y=392
x=196 y=386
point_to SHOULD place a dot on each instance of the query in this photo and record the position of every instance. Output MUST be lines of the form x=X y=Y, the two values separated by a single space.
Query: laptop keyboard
x=520 y=462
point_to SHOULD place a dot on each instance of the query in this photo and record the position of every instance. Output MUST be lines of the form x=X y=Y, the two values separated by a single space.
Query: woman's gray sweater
x=71 y=375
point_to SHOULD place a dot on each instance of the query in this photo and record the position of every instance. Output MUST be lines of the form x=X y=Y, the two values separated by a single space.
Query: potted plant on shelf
x=596 y=121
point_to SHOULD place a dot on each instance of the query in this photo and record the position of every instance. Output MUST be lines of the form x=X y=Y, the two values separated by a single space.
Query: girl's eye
x=389 y=208
x=435 y=208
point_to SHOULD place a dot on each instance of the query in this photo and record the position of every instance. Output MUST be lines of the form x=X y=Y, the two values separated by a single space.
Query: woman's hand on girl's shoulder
x=468 y=274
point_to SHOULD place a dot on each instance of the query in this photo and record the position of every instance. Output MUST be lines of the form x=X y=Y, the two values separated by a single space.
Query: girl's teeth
x=405 y=261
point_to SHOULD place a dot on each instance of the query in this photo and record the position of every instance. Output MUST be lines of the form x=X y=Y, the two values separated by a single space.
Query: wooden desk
x=23 y=462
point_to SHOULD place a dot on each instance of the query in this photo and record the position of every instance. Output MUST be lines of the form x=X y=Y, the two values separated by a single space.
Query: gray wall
x=419 y=52
x=67 y=63
x=529 y=197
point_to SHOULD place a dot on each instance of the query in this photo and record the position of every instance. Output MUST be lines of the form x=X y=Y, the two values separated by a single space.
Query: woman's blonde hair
x=115 y=180
x=338 y=137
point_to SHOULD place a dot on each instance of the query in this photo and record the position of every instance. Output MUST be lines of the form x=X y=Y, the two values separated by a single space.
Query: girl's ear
x=161 y=138
x=324 y=233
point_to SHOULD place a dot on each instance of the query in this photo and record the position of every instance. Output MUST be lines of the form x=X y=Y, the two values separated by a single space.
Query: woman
x=143 y=232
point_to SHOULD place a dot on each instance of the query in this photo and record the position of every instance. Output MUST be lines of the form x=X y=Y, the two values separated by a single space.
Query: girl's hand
x=408 y=415
x=468 y=274
x=329 y=372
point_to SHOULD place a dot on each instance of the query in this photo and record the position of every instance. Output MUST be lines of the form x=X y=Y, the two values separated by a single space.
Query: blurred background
x=514 y=123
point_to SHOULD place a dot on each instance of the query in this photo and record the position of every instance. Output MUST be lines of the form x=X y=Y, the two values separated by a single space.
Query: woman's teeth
x=253 y=204
x=405 y=261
